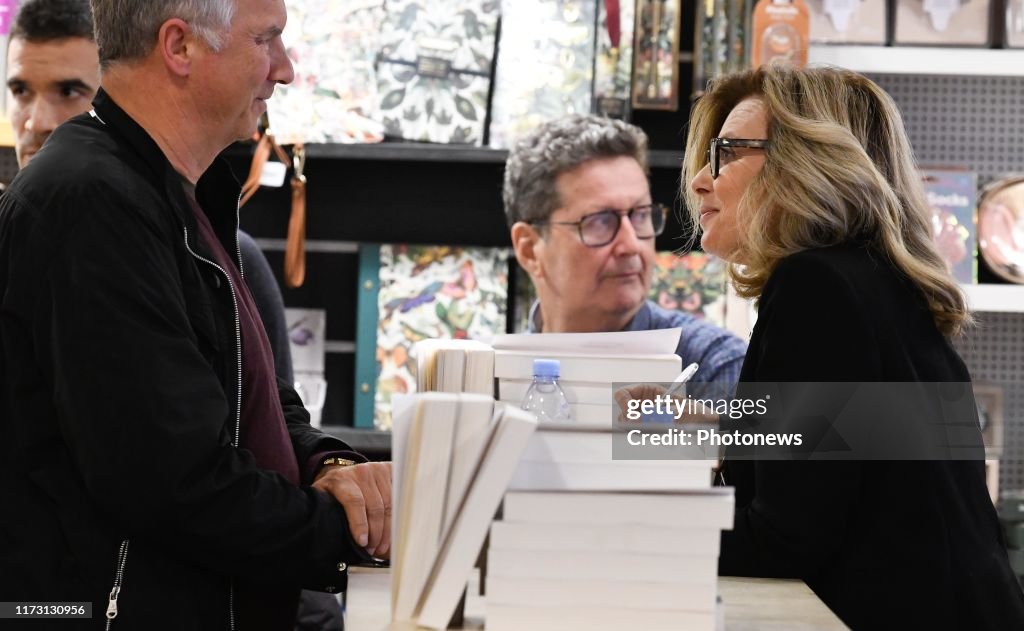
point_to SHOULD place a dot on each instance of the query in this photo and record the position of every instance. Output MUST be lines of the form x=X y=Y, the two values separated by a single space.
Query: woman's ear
x=526 y=242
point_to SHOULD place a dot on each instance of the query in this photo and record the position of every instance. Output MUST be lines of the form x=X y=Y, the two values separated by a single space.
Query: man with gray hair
x=583 y=226
x=155 y=465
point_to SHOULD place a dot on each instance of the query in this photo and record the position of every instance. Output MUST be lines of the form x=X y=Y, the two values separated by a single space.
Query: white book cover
x=613 y=475
x=712 y=508
x=579 y=442
x=601 y=591
x=656 y=342
x=581 y=564
x=576 y=392
x=462 y=545
x=476 y=414
x=513 y=618
x=404 y=410
x=603 y=413
x=600 y=537
x=583 y=367
x=427 y=457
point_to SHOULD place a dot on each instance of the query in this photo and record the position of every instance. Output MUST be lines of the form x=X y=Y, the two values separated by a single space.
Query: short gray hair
x=558 y=146
x=126 y=30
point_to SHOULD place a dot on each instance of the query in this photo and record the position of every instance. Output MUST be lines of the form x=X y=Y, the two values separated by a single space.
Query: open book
x=454 y=455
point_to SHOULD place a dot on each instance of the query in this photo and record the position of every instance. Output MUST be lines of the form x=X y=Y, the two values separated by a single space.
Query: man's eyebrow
x=15 y=82
x=66 y=84
x=271 y=32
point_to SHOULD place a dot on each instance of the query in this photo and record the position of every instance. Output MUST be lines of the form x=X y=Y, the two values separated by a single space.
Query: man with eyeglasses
x=583 y=226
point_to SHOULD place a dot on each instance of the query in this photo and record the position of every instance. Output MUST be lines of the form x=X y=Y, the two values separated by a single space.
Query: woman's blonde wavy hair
x=839 y=168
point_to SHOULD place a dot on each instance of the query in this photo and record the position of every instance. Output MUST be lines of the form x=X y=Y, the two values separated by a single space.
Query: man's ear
x=528 y=244
x=176 y=44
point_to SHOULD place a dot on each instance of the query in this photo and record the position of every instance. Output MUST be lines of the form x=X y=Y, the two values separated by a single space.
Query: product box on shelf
x=613 y=62
x=434 y=69
x=1014 y=24
x=939 y=22
x=781 y=33
x=848 y=21
x=306 y=341
x=545 y=69
x=952 y=196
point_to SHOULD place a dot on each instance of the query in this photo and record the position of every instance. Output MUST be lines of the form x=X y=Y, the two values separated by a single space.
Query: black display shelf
x=425 y=152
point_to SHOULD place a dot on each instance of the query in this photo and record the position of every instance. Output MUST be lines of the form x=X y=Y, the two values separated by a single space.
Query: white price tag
x=273 y=174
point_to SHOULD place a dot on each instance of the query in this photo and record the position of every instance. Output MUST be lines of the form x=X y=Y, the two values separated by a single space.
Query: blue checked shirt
x=718 y=352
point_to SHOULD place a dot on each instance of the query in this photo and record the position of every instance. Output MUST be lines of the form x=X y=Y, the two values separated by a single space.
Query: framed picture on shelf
x=989 y=398
x=409 y=293
x=656 y=55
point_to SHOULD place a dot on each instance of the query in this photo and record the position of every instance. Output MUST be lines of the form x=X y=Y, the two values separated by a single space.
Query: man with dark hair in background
x=53 y=70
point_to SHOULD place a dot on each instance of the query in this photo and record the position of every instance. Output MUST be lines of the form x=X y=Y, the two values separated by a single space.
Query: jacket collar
x=217 y=191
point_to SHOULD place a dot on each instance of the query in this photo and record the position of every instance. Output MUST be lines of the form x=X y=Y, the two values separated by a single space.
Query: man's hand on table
x=364 y=491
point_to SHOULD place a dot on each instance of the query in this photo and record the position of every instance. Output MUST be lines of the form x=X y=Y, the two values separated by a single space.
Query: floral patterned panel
x=332 y=45
x=433 y=292
x=613 y=65
x=694 y=282
x=546 y=66
x=434 y=69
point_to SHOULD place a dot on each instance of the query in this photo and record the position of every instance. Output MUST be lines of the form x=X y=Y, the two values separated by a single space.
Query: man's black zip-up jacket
x=119 y=390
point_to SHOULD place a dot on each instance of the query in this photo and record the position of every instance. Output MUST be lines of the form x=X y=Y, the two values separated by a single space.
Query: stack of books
x=590 y=364
x=453 y=456
x=454 y=366
x=589 y=542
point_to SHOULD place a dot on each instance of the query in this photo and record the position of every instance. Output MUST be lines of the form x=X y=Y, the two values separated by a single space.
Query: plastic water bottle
x=545 y=397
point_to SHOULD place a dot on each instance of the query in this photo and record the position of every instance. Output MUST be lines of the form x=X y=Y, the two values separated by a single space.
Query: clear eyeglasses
x=723 y=147
x=600 y=228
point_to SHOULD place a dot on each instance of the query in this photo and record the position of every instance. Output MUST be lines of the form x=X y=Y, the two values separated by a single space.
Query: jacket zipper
x=238 y=348
x=122 y=556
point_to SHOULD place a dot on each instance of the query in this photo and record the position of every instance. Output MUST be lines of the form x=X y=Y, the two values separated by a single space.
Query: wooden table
x=750 y=603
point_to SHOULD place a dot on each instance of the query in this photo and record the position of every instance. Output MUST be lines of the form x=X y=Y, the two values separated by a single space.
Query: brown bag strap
x=295 y=249
x=259 y=159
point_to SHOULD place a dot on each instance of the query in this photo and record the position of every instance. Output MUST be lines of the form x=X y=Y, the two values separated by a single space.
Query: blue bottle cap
x=665 y=418
x=546 y=368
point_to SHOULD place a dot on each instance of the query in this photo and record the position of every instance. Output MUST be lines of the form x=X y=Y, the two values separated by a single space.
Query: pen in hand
x=678 y=386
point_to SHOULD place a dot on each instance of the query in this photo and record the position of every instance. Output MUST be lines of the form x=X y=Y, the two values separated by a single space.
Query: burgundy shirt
x=263 y=431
